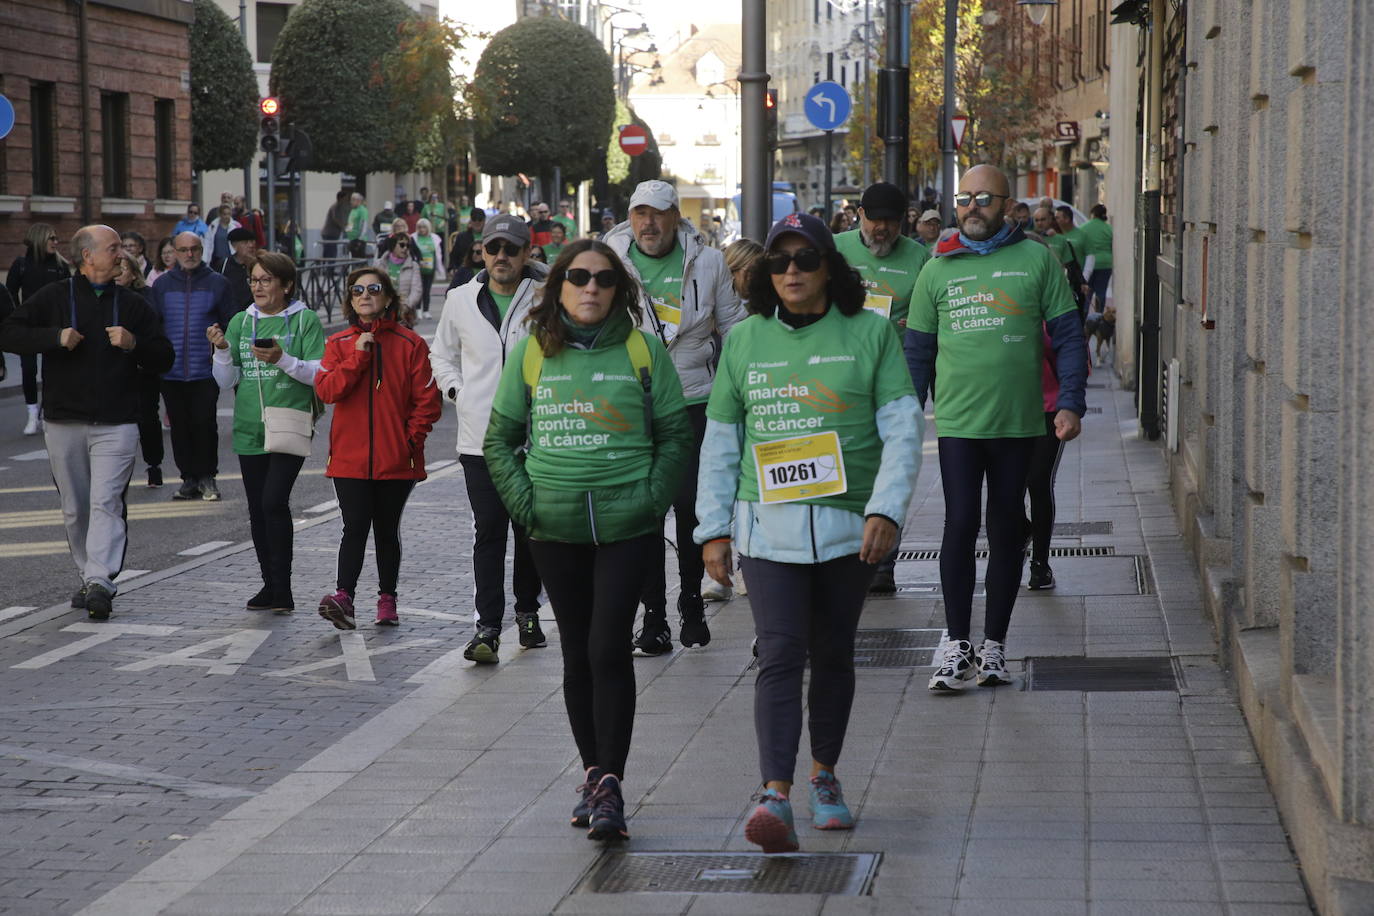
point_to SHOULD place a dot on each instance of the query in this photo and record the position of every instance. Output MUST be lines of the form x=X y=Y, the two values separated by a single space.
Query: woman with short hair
x=271 y=352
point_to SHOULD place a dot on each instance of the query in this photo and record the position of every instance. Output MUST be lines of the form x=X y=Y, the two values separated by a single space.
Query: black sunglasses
x=496 y=246
x=358 y=289
x=808 y=261
x=579 y=277
x=981 y=199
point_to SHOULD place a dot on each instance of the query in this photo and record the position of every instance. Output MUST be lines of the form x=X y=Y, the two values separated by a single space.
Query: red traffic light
x=269 y=106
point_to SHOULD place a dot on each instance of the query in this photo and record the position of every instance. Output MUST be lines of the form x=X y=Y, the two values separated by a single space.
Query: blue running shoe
x=582 y=814
x=828 y=810
x=770 y=826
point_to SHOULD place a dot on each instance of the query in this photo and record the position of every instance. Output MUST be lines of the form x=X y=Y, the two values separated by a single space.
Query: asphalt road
x=35 y=567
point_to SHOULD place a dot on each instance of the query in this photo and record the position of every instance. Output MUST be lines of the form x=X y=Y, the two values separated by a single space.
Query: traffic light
x=271 y=124
x=770 y=106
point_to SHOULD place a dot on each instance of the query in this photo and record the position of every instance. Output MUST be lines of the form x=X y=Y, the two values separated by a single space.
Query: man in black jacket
x=235 y=267
x=95 y=337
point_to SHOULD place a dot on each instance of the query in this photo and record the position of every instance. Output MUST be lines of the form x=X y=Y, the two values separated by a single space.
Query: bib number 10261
x=800 y=467
x=805 y=471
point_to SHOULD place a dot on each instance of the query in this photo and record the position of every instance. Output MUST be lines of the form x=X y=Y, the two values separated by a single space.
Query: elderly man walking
x=691 y=304
x=95 y=337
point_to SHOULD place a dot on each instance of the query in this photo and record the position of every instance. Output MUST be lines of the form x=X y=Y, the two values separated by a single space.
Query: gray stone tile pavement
x=379 y=773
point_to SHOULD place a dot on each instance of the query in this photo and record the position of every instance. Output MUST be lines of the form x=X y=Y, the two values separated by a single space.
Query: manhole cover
x=847 y=874
x=1101 y=674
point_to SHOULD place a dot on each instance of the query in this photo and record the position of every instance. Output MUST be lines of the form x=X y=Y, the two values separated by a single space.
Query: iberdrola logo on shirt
x=985 y=309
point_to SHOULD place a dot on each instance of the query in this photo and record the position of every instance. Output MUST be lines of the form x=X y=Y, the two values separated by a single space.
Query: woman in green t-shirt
x=812 y=447
x=279 y=375
x=427 y=248
x=587 y=444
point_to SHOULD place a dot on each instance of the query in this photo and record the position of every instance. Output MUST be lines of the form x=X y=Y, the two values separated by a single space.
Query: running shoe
x=711 y=590
x=209 y=490
x=262 y=601
x=1041 y=576
x=770 y=826
x=692 y=628
x=338 y=610
x=484 y=646
x=98 y=602
x=991 y=659
x=190 y=489
x=386 y=611
x=79 y=598
x=582 y=814
x=607 y=821
x=884 y=583
x=955 y=665
x=531 y=634
x=655 y=638
x=828 y=810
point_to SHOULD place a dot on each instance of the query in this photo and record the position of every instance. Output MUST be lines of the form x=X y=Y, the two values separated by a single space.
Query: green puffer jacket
x=613 y=482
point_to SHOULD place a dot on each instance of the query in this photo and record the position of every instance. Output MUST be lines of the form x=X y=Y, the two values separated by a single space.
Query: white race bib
x=800 y=467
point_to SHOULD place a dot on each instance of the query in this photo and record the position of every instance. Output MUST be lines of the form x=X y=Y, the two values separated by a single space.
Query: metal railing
x=321 y=281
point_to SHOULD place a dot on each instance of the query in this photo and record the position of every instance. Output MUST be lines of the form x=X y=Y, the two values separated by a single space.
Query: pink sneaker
x=338 y=610
x=386 y=611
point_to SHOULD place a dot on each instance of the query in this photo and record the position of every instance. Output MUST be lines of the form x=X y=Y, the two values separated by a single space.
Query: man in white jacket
x=481 y=323
x=690 y=303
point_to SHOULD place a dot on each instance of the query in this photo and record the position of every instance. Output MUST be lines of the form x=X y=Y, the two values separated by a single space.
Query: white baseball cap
x=657 y=194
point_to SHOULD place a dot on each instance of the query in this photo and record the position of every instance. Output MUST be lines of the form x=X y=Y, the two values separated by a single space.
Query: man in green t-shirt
x=689 y=302
x=357 y=226
x=888 y=264
x=979 y=316
x=566 y=219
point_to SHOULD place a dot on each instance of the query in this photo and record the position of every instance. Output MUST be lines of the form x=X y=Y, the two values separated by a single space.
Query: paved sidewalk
x=443 y=788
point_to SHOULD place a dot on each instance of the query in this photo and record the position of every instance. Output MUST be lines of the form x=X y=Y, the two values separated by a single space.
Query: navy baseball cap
x=812 y=229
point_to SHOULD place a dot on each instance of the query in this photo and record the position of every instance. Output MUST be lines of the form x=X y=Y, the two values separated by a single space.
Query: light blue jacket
x=798 y=532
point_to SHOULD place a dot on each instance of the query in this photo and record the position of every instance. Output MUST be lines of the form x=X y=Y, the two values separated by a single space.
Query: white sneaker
x=955 y=665
x=34 y=424
x=991 y=659
x=738 y=579
x=711 y=590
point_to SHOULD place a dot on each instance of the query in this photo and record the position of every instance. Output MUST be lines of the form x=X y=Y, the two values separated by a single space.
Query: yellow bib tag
x=800 y=467
x=668 y=313
x=880 y=304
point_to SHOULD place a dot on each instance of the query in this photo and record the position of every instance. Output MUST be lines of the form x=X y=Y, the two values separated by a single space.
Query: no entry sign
x=634 y=139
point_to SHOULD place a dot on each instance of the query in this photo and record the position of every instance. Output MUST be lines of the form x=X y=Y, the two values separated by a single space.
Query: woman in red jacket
x=376 y=374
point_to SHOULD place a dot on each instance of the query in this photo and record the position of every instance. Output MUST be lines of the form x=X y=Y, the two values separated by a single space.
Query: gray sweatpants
x=91 y=465
x=803 y=611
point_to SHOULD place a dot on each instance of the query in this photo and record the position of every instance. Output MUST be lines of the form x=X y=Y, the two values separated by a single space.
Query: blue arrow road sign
x=827 y=105
x=6 y=117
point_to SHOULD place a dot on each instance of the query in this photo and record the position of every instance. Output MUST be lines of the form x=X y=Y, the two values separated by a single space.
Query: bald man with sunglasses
x=481 y=323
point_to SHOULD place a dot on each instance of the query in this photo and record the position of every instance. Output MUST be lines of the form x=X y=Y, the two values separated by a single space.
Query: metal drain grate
x=982 y=553
x=846 y=873
x=895 y=658
x=896 y=639
x=1094 y=410
x=1101 y=674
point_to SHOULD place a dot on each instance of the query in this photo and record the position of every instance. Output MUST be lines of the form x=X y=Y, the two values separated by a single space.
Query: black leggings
x=426 y=284
x=267 y=482
x=28 y=376
x=690 y=567
x=594 y=590
x=963 y=465
x=374 y=505
x=1044 y=465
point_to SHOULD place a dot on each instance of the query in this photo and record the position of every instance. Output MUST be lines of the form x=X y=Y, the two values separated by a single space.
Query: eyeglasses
x=52 y=238
x=260 y=281
x=358 y=289
x=191 y=250
x=402 y=245
x=496 y=246
x=579 y=277
x=981 y=199
x=808 y=260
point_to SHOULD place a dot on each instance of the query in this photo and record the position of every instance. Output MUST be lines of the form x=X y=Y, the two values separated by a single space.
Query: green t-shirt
x=1059 y=244
x=357 y=222
x=569 y=224
x=831 y=376
x=988 y=314
x=888 y=280
x=424 y=244
x=437 y=214
x=298 y=334
x=1097 y=241
x=552 y=251
x=588 y=430
x=394 y=269
x=662 y=279
x=502 y=302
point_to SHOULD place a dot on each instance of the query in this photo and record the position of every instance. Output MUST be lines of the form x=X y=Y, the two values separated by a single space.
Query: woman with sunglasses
x=806 y=471
x=271 y=352
x=403 y=269
x=587 y=442
x=376 y=374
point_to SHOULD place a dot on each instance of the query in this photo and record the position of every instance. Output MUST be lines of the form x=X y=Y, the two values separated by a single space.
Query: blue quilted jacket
x=188 y=303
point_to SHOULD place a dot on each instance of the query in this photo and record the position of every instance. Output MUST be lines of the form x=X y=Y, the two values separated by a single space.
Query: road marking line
x=128 y=574
x=325 y=506
x=39 y=455
x=100 y=633
x=355 y=657
x=222 y=477
x=142 y=775
x=44 y=518
x=203 y=549
x=33 y=549
x=10 y=613
x=238 y=648
x=437 y=615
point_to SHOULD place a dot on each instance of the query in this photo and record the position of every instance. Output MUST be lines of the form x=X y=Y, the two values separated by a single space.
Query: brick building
x=124 y=158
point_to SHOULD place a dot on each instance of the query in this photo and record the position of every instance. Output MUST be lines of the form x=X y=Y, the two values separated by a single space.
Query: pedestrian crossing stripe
x=33 y=549
x=49 y=488
x=41 y=518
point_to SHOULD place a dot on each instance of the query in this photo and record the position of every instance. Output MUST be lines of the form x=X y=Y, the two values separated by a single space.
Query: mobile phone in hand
x=265 y=343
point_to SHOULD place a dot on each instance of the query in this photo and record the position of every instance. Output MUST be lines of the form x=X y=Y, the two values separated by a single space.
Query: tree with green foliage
x=531 y=112
x=224 y=92
x=329 y=69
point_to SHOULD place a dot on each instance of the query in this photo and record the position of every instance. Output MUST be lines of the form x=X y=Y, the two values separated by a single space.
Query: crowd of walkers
x=771 y=396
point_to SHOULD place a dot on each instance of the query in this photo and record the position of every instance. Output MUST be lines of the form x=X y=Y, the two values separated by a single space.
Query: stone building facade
x=1249 y=255
x=127 y=162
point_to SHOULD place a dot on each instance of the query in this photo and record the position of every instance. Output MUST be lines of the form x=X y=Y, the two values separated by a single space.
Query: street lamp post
x=753 y=79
